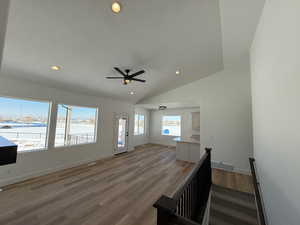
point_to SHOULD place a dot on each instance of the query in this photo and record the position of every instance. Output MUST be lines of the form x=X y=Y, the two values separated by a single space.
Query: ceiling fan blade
x=120 y=71
x=114 y=77
x=138 y=80
x=137 y=73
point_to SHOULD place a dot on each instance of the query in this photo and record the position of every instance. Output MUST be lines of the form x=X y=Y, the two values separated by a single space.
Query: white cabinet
x=196 y=120
x=188 y=151
x=194 y=152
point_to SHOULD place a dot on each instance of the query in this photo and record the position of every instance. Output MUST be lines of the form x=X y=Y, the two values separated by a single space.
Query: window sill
x=54 y=148
x=77 y=145
x=168 y=135
x=33 y=150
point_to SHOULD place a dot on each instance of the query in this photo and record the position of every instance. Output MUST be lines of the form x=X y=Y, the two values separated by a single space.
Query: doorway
x=121 y=133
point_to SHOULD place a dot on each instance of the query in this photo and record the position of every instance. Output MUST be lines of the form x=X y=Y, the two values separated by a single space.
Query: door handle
x=127 y=134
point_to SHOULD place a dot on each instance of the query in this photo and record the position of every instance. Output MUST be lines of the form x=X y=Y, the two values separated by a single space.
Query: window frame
x=50 y=103
x=138 y=128
x=161 y=128
x=95 y=129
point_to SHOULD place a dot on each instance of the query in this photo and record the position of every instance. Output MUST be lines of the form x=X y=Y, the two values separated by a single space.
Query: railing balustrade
x=188 y=205
x=259 y=202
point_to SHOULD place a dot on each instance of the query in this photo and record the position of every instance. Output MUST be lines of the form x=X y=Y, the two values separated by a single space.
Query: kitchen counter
x=187 y=149
x=187 y=140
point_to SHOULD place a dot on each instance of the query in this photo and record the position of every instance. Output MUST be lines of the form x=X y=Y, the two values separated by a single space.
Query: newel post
x=166 y=208
x=208 y=151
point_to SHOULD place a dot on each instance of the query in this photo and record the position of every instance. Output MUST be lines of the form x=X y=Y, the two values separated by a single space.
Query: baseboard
x=18 y=179
x=230 y=168
x=242 y=171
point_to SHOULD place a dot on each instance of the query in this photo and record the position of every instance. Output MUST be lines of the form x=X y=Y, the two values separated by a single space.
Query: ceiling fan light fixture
x=127 y=77
x=55 y=68
x=116 y=7
x=132 y=93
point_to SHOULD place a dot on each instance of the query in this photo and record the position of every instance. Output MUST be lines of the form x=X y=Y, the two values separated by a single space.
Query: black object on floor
x=8 y=152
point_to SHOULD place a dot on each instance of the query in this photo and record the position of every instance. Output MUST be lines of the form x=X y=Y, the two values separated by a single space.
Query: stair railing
x=189 y=203
x=258 y=198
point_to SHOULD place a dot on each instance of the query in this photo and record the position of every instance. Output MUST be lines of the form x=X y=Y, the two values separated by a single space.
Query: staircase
x=230 y=207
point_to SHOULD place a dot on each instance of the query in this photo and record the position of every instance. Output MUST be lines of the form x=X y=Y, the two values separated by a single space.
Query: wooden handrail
x=259 y=202
x=191 y=175
x=188 y=204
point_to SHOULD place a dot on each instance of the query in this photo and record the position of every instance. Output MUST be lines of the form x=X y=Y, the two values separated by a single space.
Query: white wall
x=142 y=139
x=225 y=113
x=36 y=163
x=156 y=124
x=4 y=5
x=276 y=109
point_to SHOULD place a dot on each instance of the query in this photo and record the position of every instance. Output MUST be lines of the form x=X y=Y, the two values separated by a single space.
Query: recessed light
x=56 y=68
x=132 y=93
x=177 y=72
x=116 y=7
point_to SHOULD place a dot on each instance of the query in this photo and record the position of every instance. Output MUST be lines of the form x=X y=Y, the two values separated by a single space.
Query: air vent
x=162 y=107
x=223 y=166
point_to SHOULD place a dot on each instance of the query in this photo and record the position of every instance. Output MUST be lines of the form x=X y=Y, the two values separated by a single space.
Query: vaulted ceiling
x=87 y=40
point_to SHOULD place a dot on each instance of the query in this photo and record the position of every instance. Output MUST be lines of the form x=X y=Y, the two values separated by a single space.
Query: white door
x=121 y=133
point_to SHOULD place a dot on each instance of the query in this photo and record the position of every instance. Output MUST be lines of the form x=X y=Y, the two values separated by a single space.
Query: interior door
x=121 y=134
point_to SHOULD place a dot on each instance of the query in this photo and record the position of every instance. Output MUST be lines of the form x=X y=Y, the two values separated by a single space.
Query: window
x=171 y=125
x=24 y=122
x=139 y=124
x=75 y=125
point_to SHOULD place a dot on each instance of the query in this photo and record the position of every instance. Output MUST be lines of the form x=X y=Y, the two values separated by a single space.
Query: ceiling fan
x=127 y=78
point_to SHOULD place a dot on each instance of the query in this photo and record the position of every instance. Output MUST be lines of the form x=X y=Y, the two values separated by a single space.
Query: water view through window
x=24 y=122
x=75 y=125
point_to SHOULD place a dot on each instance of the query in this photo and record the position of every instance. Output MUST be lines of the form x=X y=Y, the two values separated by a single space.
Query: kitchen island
x=187 y=149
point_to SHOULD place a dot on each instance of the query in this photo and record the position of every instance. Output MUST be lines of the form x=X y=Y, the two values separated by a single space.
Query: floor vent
x=223 y=166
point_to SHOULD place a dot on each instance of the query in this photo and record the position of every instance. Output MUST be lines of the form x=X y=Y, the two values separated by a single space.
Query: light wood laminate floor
x=236 y=181
x=116 y=191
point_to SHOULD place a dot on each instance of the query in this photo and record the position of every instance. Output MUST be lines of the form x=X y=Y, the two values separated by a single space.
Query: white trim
x=235 y=169
x=32 y=150
x=242 y=171
x=73 y=145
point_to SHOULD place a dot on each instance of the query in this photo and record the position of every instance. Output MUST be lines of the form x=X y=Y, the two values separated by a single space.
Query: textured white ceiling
x=239 y=19
x=88 y=40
